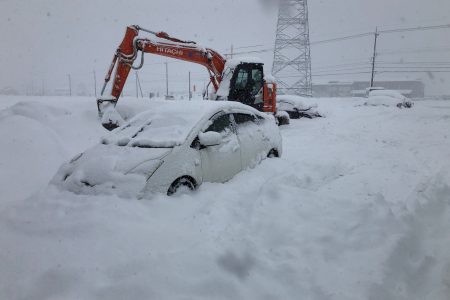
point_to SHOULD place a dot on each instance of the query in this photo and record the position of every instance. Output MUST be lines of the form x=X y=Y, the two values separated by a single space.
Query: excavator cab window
x=246 y=84
x=257 y=77
x=241 y=80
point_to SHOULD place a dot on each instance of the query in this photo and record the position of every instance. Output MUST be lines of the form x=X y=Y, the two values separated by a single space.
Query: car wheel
x=294 y=114
x=273 y=153
x=181 y=185
x=283 y=119
x=304 y=115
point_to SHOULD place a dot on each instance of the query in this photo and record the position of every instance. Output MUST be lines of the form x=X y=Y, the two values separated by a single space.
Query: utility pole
x=374 y=56
x=95 y=83
x=70 y=85
x=167 y=79
x=231 y=55
x=190 y=95
x=136 y=77
x=139 y=84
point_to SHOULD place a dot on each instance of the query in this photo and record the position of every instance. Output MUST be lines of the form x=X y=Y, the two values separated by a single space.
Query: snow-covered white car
x=381 y=97
x=297 y=107
x=175 y=145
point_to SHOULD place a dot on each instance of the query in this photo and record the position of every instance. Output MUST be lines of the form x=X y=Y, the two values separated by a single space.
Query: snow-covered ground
x=358 y=207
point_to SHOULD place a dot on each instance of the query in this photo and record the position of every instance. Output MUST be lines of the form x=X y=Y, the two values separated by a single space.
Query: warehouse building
x=410 y=89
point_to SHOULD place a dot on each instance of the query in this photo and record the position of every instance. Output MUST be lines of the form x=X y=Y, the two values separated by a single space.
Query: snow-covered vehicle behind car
x=297 y=107
x=380 y=97
x=175 y=145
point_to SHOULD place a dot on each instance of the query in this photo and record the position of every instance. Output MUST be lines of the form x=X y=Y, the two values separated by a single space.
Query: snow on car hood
x=106 y=169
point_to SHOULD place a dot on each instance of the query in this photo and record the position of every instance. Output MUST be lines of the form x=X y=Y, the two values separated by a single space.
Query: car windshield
x=163 y=127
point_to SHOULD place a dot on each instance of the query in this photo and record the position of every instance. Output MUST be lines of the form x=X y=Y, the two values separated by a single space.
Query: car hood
x=110 y=169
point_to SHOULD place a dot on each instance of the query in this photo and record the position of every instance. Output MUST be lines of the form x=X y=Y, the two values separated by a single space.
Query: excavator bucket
x=108 y=114
x=106 y=106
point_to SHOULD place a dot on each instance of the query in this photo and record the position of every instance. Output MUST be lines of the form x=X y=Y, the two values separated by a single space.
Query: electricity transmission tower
x=292 y=56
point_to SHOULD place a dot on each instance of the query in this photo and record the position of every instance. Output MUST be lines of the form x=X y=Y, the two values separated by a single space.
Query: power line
x=419 y=28
x=245 y=47
x=428 y=21
x=385 y=69
x=414 y=63
x=342 y=69
x=414 y=67
x=343 y=38
x=353 y=36
x=333 y=74
x=343 y=65
x=387 y=31
x=254 y=51
x=416 y=71
x=422 y=50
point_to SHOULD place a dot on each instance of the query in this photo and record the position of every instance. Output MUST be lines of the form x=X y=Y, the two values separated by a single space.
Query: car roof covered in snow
x=168 y=123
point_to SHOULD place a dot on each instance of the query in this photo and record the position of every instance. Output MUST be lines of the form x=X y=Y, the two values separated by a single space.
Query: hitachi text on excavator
x=241 y=80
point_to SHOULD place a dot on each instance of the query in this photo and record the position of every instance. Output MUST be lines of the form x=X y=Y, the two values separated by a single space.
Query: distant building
x=10 y=91
x=411 y=89
x=332 y=89
x=61 y=92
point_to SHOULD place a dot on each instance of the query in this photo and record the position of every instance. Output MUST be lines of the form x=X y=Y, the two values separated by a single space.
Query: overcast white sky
x=44 y=40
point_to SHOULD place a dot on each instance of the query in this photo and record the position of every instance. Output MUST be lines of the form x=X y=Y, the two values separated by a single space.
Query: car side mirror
x=210 y=138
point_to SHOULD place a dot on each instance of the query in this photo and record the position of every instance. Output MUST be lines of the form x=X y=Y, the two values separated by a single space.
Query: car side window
x=241 y=118
x=220 y=124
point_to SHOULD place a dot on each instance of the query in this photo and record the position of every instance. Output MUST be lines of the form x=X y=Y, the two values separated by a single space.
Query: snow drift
x=357 y=208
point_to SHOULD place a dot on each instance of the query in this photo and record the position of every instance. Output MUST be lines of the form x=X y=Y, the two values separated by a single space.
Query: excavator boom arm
x=163 y=45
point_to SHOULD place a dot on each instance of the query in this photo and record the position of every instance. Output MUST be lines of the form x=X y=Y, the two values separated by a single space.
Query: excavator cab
x=248 y=86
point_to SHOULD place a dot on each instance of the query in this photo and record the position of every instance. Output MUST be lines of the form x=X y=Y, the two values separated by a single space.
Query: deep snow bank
x=38 y=134
x=30 y=150
x=357 y=208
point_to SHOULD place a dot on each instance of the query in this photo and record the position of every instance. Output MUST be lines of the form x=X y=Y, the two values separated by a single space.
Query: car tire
x=304 y=115
x=273 y=153
x=180 y=184
x=293 y=114
x=283 y=120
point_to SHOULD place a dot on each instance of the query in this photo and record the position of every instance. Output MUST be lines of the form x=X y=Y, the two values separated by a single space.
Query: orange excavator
x=240 y=80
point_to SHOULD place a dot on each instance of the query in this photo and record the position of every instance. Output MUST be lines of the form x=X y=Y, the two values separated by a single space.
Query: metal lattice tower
x=292 y=55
